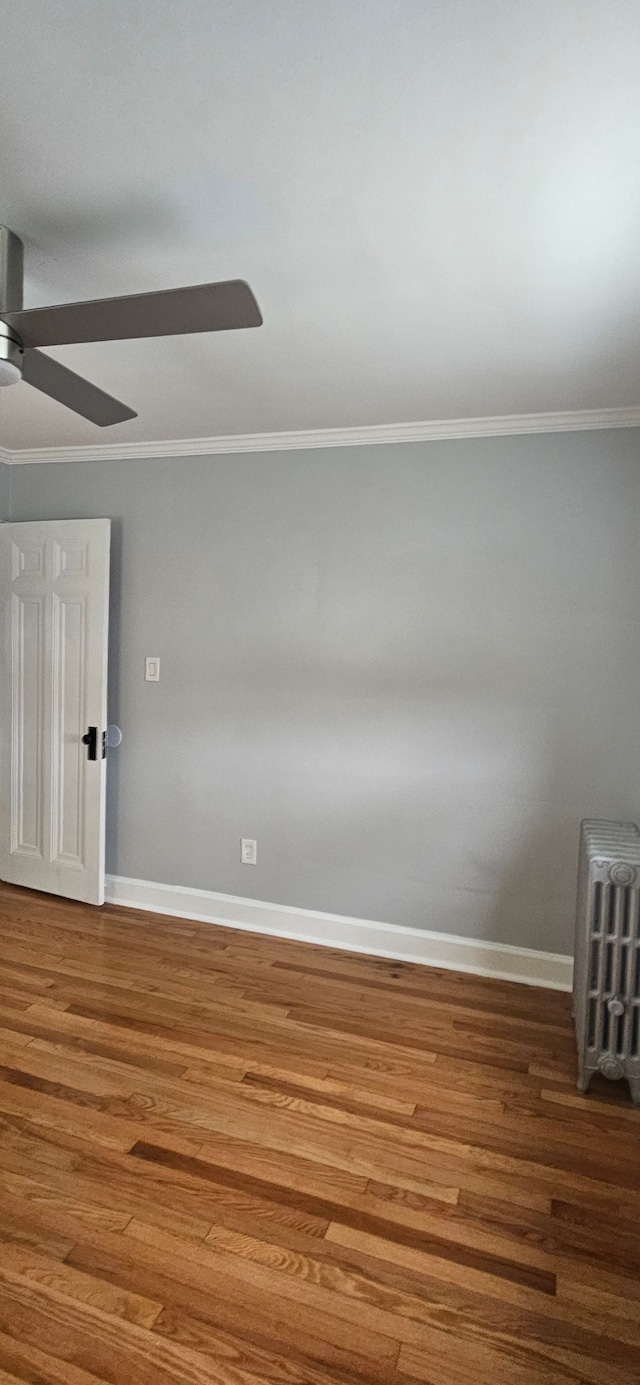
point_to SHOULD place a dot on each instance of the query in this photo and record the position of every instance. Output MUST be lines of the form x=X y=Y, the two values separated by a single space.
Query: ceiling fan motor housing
x=11 y=356
x=11 y=287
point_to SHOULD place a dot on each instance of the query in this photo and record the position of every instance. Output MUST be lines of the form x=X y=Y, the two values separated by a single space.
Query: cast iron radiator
x=606 y=977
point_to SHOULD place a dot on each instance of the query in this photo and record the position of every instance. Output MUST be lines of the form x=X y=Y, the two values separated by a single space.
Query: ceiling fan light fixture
x=10 y=374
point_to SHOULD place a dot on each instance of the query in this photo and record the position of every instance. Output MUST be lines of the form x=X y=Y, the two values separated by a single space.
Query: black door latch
x=91 y=741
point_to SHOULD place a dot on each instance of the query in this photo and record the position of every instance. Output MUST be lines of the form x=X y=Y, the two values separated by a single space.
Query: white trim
x=438 y=430
x=392 y=940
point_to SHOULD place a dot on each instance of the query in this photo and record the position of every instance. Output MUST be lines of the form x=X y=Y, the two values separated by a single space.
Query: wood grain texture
x=239 y=1159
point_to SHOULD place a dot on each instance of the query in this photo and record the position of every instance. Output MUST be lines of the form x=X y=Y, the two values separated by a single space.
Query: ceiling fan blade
x=171 y=312
x=54 y=379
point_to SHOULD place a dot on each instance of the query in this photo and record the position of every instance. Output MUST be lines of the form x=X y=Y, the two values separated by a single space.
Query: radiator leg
x=634 y=1088
x=584 y=1080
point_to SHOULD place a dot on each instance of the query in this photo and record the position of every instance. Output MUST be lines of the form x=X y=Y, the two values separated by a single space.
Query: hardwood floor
x=228 y=1158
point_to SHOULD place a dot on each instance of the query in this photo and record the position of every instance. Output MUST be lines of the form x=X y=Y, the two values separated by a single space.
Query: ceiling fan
x=171 y=312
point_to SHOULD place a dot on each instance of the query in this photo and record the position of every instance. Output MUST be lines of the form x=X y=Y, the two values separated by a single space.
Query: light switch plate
x=152 y=669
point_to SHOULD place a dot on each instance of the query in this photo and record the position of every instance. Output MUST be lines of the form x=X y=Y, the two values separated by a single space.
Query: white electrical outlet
x=248 y=851
x=152 y=669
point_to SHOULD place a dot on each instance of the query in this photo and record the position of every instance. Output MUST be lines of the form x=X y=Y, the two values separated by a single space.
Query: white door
x=54 y=608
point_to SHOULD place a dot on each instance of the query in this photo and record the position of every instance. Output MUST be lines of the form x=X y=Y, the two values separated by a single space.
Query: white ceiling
x=436 y=203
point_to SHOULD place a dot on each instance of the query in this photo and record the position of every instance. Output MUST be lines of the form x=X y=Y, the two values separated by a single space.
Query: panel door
x=54 y=605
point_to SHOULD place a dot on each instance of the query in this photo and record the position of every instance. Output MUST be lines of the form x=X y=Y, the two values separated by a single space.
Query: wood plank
x=433 y=1234
x=40 y=1367
x=20 y=1263
x=243 y=1321
x=97 y=1342
x=444 y=1358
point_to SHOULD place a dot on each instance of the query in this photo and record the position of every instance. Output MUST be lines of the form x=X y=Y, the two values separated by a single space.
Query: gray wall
x=4 y=491
x=407 y=671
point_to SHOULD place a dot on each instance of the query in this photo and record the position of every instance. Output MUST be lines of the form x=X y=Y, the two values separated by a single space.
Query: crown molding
x=437 y=430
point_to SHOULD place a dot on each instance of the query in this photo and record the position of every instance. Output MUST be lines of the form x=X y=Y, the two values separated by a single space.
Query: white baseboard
x=392 y=940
